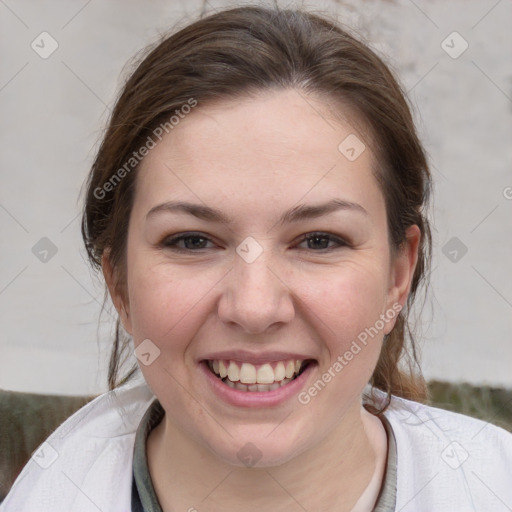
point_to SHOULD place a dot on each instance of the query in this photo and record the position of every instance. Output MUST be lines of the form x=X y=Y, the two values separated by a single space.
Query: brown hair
x=239 y=51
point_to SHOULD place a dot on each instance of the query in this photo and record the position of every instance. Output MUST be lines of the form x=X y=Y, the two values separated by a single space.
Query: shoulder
x=449 y=461
x=87 y=462
x=435 y=423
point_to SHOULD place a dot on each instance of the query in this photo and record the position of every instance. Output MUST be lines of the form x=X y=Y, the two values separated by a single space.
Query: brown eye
x=191 y=242
x=319 y=241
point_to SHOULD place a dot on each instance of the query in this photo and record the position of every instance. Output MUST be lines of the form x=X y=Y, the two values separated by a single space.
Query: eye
x=195 y=242
x=320 y=241
x=192 y=242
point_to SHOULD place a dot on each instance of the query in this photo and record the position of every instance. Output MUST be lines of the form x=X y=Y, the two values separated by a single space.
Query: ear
x=119 y=301
x=402 y=270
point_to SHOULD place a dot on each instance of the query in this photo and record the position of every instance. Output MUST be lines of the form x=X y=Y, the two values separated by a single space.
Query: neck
x=343 y=470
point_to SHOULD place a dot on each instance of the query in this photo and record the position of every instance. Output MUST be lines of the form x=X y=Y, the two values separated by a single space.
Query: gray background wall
x=53 y=109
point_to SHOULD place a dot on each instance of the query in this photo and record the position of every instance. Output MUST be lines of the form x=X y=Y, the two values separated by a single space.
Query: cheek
x=163 y=304
x=345 y=308
x=168 y=310
x=347 y=298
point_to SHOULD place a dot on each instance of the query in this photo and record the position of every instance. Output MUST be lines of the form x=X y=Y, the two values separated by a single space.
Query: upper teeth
x=248 y=373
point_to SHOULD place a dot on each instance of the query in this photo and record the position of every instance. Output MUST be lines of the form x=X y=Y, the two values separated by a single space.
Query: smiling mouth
x=257 y=378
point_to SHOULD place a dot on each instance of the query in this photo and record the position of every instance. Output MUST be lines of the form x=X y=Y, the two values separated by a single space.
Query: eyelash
x=171 y=242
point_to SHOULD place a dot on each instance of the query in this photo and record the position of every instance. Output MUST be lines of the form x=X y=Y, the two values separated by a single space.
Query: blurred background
x=62 y=63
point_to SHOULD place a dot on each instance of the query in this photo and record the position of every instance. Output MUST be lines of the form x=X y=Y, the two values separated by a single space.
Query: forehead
x=275 y=147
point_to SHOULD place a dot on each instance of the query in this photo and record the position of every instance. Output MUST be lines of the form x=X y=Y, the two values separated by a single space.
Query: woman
x=256 y=208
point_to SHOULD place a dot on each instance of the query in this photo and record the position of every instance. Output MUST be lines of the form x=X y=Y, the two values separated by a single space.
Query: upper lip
x=244 y=356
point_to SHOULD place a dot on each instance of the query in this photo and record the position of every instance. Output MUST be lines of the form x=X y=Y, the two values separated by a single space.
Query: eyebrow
x=295 y=214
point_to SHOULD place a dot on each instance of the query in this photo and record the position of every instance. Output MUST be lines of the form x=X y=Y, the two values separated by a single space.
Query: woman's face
x=250 y=288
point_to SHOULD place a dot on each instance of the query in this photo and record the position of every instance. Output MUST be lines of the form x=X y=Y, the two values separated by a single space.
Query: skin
x=254 y=159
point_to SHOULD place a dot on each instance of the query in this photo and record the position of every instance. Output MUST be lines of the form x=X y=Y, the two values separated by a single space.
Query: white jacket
x=446 y=462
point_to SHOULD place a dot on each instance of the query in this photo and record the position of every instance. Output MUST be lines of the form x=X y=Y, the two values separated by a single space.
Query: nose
x=256 y=297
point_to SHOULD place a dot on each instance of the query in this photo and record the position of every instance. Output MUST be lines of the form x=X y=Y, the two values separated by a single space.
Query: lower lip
x=256 y=398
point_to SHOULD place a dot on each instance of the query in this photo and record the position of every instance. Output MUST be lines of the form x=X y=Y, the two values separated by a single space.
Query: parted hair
x=235 y=52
